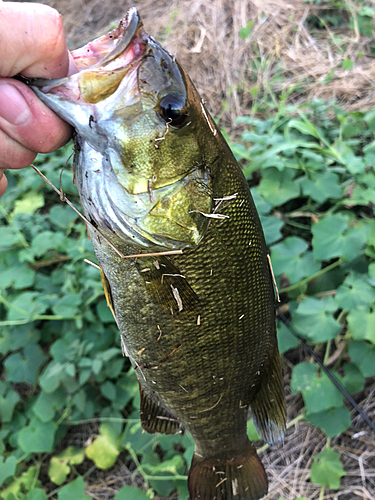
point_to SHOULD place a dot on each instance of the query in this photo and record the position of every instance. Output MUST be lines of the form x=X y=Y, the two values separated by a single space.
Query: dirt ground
x=291 y=57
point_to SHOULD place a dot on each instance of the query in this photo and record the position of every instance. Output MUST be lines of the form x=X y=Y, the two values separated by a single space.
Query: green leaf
x=353 y=381
x=7 y=405
x=28 y=204
x=74 y=490
x=26 y=306
x=271 y=228
x=25 y=482
x=278 y=187
x=314 y=319
x=290 y=257
x=36 y=494
x=354 y=292
x=319 y=392
x=20 y=276
x=361 y=323
x=347 y=64
x=59 y=467
x=251 y=431
x=130 y=493
x=285 y=338
x=51 y=377
x=135 y=438
x=7 y=468
x=321 y=187
x=332 y=237
x=105 y=448
x=25 y=367
x=326 y=469
x=67 y=306
x=362 y=353
x=333 y=421
x=37 y=437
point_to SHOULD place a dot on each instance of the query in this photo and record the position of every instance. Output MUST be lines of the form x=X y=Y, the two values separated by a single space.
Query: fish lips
x=99 y=66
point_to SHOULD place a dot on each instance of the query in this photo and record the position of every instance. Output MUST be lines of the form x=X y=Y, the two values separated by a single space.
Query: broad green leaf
x=285 y=338
x=67 y=306
x=361 y=323
x=62 y=216
x=37 y=437
x=319 y=392
x=353 y=381
x=306 y=127
x=20 y=276
x=74 y=490
x=7 y=405
x=333 y=421
x=60 y=464
x=25 y=482
x=36 y=494
x=332 y=237
x=26 y=306
x=321 y=187
x=326 y=469
x=290 y=257
x=354 y=292
x=362 y=354
x=135 y=438
x=51 y=377
x=24 y=367
x=45 y=241
x=28 y=204
x=271 y=228
x=105 y=448
x=314 y=319
x=130 y=493
x=7 y=468
x=278 y=187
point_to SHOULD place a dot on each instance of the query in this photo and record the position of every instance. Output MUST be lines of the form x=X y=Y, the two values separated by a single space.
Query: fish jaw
x=129 y=180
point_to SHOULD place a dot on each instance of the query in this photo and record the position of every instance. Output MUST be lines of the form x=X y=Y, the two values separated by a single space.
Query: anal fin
x=268 y=406
x=241 y=477
x=155 y=417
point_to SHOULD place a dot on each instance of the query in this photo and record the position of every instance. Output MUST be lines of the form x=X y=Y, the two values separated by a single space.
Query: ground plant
x=311 y=176
x=69 y=401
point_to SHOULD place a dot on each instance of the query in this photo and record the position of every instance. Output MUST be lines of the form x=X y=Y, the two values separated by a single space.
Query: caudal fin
x=241 y=477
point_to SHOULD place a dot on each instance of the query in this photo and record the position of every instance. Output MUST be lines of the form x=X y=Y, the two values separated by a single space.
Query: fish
x=194 y=302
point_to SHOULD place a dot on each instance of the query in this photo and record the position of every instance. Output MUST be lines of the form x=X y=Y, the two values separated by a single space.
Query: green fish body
x=155 y=175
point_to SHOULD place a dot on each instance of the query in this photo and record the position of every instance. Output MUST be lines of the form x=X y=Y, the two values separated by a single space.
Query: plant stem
x=312 y=276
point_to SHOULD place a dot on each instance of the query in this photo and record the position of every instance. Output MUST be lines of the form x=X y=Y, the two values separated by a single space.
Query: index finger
x=41 y=51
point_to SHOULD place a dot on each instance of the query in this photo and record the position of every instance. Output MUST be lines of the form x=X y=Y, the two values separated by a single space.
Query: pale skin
x=32 y=43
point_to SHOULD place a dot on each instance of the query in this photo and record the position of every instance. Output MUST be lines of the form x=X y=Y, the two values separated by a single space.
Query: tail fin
x=241 y=477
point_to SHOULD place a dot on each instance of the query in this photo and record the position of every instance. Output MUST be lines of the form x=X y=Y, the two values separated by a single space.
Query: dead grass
x=284 y=53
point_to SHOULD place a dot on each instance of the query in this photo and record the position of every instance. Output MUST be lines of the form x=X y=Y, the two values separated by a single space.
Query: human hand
x=32 y=42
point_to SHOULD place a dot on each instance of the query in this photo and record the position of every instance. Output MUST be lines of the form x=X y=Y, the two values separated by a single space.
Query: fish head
x=138 y=116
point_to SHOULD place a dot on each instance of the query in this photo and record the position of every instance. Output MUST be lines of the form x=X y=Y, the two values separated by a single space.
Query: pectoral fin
x=166 y=283
x=107 y=293
x=268 y=406
x=155 y=417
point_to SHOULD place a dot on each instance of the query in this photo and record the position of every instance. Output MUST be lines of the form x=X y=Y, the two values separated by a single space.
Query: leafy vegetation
x=61 y=348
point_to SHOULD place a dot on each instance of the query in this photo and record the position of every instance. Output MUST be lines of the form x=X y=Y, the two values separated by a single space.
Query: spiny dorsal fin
x=166 y=283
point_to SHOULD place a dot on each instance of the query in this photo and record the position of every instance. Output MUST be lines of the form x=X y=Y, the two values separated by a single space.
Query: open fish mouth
x=102 y=63
x=127 y=102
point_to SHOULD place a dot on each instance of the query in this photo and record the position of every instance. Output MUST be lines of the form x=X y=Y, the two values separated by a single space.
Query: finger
x=13 y=154
x=32 y=41
x=29 y=121
x=3 y=182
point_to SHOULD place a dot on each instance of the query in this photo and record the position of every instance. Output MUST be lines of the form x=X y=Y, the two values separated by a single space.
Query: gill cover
x=139 y=170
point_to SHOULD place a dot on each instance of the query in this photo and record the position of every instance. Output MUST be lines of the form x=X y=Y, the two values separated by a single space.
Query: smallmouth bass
x=155 y=175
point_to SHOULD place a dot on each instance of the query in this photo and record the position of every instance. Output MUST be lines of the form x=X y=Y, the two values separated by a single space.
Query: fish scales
x=154 y=174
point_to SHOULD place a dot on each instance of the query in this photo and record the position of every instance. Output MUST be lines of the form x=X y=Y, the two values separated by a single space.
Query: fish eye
x=172 y=108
